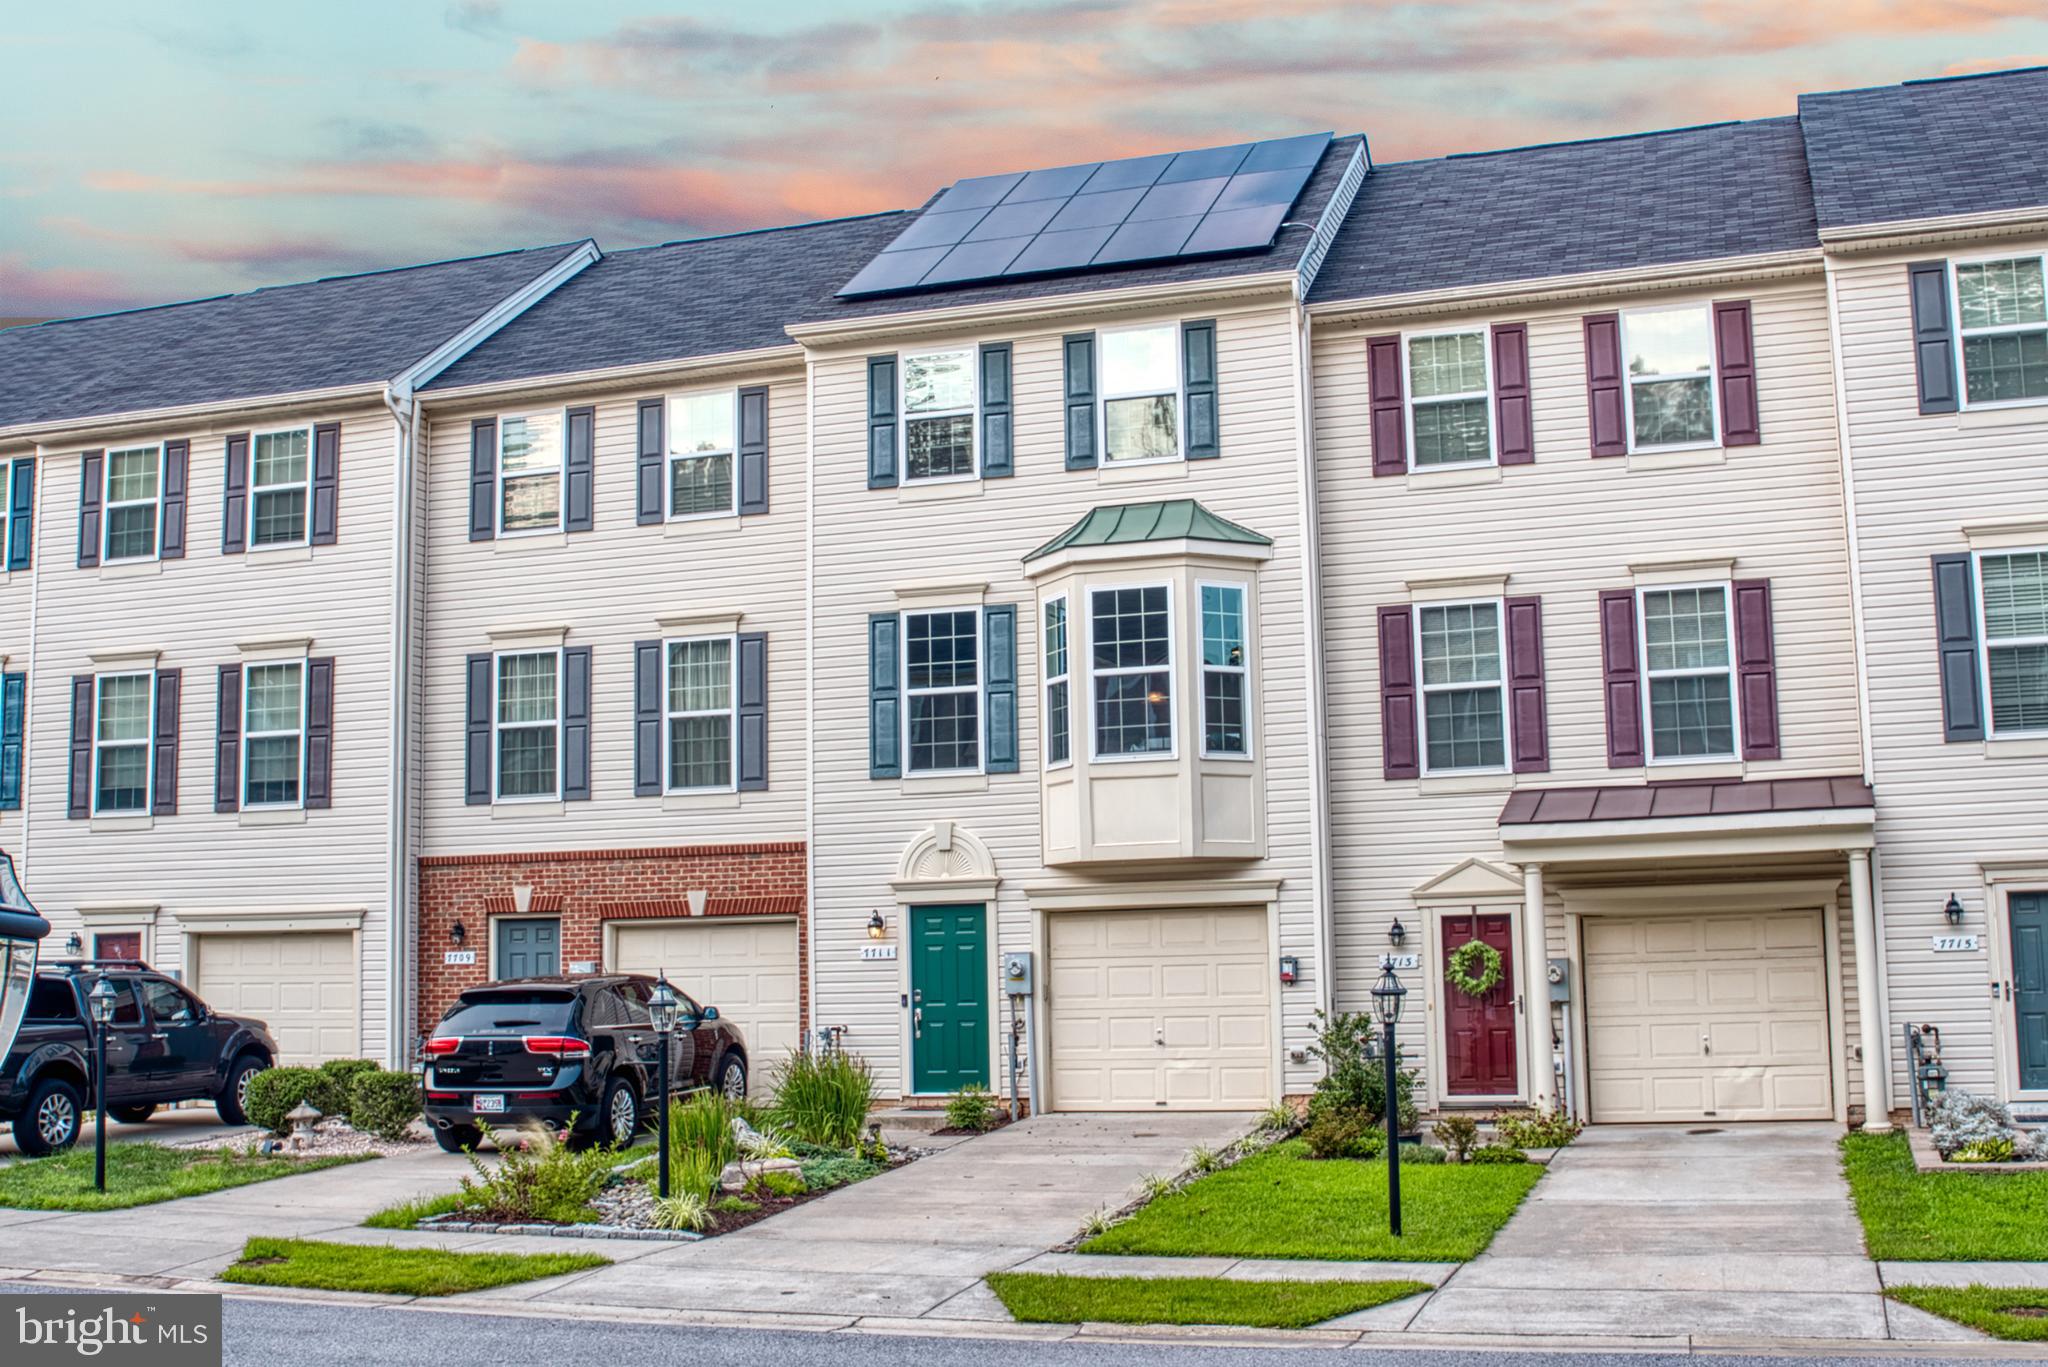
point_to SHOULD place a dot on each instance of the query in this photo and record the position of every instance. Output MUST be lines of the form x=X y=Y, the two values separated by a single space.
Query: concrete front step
x=917 y=1119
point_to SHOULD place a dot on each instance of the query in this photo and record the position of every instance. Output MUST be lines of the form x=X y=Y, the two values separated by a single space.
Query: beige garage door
x=1707 y=1018
x=1154 y=1009
x=304 y=984
x=747 y=969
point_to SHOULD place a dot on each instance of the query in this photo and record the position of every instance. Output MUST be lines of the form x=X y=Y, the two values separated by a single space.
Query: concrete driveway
x=186 y=1124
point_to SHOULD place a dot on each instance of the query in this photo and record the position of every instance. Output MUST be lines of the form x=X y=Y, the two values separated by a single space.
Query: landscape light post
x=662 y=1007
x=1387 y=995
x=101 y=999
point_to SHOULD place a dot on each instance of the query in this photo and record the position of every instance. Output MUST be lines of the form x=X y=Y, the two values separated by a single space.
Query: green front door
x=2029 y=912
x=948 y=998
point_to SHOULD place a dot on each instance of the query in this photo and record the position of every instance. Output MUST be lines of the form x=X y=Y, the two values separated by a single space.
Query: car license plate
x=489 y=1101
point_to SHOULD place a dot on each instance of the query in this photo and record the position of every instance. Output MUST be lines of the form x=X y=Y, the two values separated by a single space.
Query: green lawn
x=394 y=1271
x=1037 y=1298
x=141 y=1174
x=1943 y=1216
x=408 y=1214
x=1988 y=1309
x=1279 y=1204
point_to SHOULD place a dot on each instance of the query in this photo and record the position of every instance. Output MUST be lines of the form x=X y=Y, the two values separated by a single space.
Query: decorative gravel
x=330 y=1138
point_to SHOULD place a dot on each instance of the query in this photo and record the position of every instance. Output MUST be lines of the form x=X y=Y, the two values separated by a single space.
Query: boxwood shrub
x=382 y=1103
x=275 y=1093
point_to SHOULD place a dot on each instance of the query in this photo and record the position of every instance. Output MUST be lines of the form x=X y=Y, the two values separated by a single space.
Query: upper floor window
x=2002 y=318
x=530 y=473
x=273 y=734
x=527 y=716
x=1461 y=647
x=134 y=496
x=1130 y=643
x=1226 y=727
x=1141 y=375
x=121 y=742
x=1449 y=399
x=1670 y=363
x=1688 y=673
x=1059 y=740
x=281 y=473
x=2015 y=606
x=942 y=690
x=700 y=722
x=702 y=438
x=938 y=414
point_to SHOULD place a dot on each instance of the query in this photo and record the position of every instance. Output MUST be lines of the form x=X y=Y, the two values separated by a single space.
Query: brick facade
x=586 y=889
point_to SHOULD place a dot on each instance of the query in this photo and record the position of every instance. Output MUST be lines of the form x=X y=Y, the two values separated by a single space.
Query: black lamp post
x=1387 y=995
x=662 y=1008
x=101 y=999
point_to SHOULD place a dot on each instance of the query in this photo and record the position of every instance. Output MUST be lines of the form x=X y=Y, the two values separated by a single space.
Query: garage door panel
x=747 y=969
x=1671 y=987
x=1604 y=935
x=304 y=985
x=1800 y=932
x=1669 y=937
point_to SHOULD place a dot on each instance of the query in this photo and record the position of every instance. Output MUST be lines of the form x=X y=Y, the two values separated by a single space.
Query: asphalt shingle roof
x=1127 y=524
x=324 y=334
x=1688 y=194
x=1926 y=149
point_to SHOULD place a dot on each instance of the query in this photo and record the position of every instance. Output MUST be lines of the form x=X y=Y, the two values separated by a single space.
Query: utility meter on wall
x=1017 y=973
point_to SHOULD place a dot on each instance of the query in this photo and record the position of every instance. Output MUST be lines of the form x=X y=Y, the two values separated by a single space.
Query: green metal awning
x=1127 y=524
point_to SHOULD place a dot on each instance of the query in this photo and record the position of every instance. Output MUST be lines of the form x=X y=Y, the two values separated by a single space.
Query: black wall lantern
x=1954 y=911
x=458 y=933
x=1396 y=933
x=74 y=946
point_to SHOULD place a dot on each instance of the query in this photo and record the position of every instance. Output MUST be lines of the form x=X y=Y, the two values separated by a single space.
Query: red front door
x=125 y=944
x=1479 y=1032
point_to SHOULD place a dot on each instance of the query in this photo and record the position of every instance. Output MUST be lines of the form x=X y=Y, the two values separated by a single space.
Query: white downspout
x=1312 y=640
x=404 y=406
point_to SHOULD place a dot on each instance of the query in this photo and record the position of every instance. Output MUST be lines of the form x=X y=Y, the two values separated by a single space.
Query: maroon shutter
x=1756 y=669
x=320 y=733
x=164 y=801
x=1622 y=674
x=1606 y=406
x=1389 y=424
x=81 y=747
x=1514 y=428
x=1526 y=711
x=227 y=741
x=91 y=477
x=234 y=500
x=177 y=461
x=1397 y=693
x=1735 y=360
x=325 y=518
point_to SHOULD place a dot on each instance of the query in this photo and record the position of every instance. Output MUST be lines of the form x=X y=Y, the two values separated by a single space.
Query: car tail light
x=444 y=1044
x=535 y=1096
x=559 y=1046
x=442 y=1096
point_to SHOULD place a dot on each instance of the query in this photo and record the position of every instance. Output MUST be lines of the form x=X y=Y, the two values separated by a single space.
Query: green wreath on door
x=1475 y=968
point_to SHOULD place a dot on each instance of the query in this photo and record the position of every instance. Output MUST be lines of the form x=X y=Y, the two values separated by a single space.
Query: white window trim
x=1650 y=755
x=671 y=458
x=1203 y=669
x=972 y=411
x=1065 y=676
x=1104 y=395
x=561 y=476
x=1173 y=677
x=1409 y=400
x=977 y=688
x=1712 y=375
x=107 y=506
x=249 y=669
x=730 y=712
x=498 y=727
x=1423 y=690
x=1977 y=559
x=305 y=535
x=148 y=743
x=1955 y=312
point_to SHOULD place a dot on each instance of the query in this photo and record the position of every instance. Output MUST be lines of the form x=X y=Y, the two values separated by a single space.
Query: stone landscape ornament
x=1475 y=968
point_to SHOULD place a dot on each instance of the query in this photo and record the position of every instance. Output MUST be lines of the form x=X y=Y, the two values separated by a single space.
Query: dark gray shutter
x=1399 y=755
x=164 y=802
x=882 y=422
x=234 y=496
x=753 y=452
x=752 y=712
x=999 y=686
x=885 y=698
x=579 y=459
x=80 y=807
x=1527 y=710
x=1955 y=631
x=1621 y=676
x=998 y=459
x=90 y=488
x=1078 y=352
x=1756 y=668
x=1735 y=361
x=1198 y=364
x=21 y=512
x=476 y=731
x=483 y=480
x=227 y=740
x=576 y=724
x=320 y=733
x=1383 y=399
x=649 y=498
x=1934 y=351
x=647 y=719
x=177 y=462
x=13 y=707
x=1514 y=422
x=1606 y=403
x=325 y=526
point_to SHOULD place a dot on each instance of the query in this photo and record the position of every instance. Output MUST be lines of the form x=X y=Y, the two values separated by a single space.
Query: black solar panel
x=1200 y=203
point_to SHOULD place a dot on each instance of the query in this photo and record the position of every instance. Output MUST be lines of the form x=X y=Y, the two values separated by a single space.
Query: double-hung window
x=1059 y=723
x=1141 y=394
x=700 y=694
x=702 y=439
x=125 y=706
x=2002 y=317
x=1464 y=714
x=938 y=414
x=273 y=734
x=530 y=473
x=2015 y=635
x=1669 y=356
x=1130 y=644
x=1226 y=727
x=1449 y=400
x=134 y=497
x=280 y=478
x=942 y=688
x=1688 y=673
x=528 y=717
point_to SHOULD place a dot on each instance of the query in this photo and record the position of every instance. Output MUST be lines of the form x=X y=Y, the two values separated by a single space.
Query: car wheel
x=132 y=1115
x=50 y=1124
x=621 y=1115
x=232 y=1101
x=458 y=1138
x=732 y=1078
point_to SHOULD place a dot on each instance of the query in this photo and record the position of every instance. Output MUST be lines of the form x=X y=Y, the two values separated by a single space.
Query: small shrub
x=973 y=1107
x=1498 y=1153
x=778 y=1184
x=383 y=1104
x=823 y=1099
x=837 y=1170
x=1422 y=1156
x=735 y=1205
x=684 y=1210
x=1529 y=1129
x=275 y=1093
x=1204 y=1160
x=1985 y=1151
x=757 y=1146
x=1458 y=1134
x=1352 y=1079
x=1961 y=1119
x=538 y=1178
x=1343 y=1134
x=704 y=1124
x=331 y=1094
x=1156 y=1186
x=1096 y=1224
x=695 y=1170
x=1280 y=1119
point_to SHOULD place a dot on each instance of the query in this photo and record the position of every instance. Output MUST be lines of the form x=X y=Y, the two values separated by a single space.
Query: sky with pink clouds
x=153 y=151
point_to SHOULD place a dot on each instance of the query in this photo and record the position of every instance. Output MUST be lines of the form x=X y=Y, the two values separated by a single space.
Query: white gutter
x=85 y=428
x=1316 y=681
x=1907 y=232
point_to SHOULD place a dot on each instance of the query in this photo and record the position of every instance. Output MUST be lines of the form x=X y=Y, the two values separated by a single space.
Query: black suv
x=163 y=1045
x=575 y=1053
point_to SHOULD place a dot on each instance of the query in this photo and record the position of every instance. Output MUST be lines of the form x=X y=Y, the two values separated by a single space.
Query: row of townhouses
x=1090 y=621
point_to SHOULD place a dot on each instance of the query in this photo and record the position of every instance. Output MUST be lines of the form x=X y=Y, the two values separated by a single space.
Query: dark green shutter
x=885 y=698
x=1079 y=360
x=1934 y=353
x=997 y=459
x=999 y=686
x=647 y=719
x=1955 y=630
x=1198 y=364
x=882 y=422
x=13 y=702
x=21 y=512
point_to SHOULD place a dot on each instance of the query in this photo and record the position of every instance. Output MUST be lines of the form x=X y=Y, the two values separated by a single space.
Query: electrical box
x=1560 y=974
x=1017 y=972
x=1290 y=969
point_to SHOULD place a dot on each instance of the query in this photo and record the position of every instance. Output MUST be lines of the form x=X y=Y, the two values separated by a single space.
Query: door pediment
x=1472 y=880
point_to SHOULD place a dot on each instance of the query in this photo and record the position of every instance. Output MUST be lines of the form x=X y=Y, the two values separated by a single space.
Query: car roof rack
x=93 y=965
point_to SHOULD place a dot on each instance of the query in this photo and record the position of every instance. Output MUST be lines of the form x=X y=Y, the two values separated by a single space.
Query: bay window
x=1688 y=673
x=1059 y=741
x=1464 y=721
x=1226 y=729
x=2002 y=317
x=703 y=434
x=1141 y=398
x=1130 y=642
x=530 y=473
x=1669 y=356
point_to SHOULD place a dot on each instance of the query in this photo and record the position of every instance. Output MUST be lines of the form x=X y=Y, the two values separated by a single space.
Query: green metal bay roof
x=1127 y=524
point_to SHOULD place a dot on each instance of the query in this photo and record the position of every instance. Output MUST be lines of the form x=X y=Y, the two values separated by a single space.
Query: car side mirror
x=710 y=1013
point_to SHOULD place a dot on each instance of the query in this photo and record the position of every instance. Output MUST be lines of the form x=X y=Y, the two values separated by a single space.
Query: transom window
x=528 y=715
x=134 y=493
x=700 y=693
x=1226 y=729
x=1130 y=636
x=1141 y=377
x=2002 y=317
x=702 y=438
x=273 y=734
x=121 y=736
x=942 y=686
x=280 y=474
x=1688 y=673
x=1670 y=360
x=1059 y=740
x=1449 y=400
x=938 y=414
x=1464 y=715
x=2015 y=591
x=530 y=473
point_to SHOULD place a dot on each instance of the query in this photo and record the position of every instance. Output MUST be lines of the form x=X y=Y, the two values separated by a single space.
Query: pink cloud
x=29 y=291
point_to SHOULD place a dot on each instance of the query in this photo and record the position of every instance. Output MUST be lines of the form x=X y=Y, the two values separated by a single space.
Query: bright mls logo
x=166 y=1331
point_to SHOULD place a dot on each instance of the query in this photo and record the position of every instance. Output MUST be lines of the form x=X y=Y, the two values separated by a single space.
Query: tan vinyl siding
x=17 y=593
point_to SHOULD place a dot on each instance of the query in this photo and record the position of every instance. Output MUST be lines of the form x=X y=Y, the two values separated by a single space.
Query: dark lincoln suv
x=575 y=1053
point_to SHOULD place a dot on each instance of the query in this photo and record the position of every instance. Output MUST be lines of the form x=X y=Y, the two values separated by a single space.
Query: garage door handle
x=1706 y=1045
